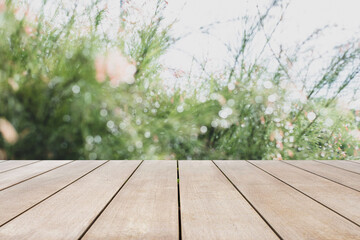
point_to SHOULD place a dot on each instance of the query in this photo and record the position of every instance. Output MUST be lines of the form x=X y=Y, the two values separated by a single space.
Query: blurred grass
x=55 y=107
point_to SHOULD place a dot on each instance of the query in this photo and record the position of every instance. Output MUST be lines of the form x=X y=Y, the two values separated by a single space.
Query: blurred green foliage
x=58 y=109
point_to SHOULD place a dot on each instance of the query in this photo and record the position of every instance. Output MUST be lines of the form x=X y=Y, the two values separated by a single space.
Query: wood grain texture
x=335 y=174
x=290 y=213
x=145 y=208
x=67 y=214
x=9 y=165
x=20 y=197
x=346 y=165
x=211 y=208
x=15 y=176
x=355 y=161
x=341 y=199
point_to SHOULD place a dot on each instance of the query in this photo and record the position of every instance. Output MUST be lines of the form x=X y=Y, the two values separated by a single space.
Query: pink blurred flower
x=29 y=31
x=279 y=145
x=13 y=84
x=2 y=6
x=278 y=157
x=272 y=136
x=221 y=99
x=100 y=66
x=262 y=119
x=115 y=66
x=290 y=153
x=8 y=131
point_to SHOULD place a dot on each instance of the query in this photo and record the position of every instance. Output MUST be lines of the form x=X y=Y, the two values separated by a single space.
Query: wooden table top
x=45 y=200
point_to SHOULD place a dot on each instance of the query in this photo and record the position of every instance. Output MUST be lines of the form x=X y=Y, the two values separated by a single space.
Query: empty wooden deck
x=45 y=200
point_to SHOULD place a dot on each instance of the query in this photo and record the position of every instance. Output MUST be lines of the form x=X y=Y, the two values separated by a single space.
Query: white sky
x=301 y=19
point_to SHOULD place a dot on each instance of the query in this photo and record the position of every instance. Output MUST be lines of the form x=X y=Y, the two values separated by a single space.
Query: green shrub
x=65 y=95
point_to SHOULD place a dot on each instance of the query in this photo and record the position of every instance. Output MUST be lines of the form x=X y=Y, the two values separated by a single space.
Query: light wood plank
x=8 y=179
x=67 y=214
x=355 y=161
x=290 y=213
x=211 y=208
x=346 y=165
x=9 y=165
x=341 y=199
x=21 y=197
x=335 y=174
x=145 y=208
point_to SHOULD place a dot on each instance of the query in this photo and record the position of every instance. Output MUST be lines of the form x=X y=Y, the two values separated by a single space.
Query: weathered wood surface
x=346 y=165
x=19 y=198
x=211 y=208
x=213 y=200
x=287 y=210
x=67 y=214
x=18 y=175
x=341 y=176
x=145 y=208
x=342 y=200
x=9 y=165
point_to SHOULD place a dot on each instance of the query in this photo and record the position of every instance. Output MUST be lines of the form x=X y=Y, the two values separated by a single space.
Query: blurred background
x=179 y=79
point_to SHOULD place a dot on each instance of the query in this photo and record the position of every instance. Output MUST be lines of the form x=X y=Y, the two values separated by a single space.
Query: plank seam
x=53 y=193
x=179 y=205
x=19 y=166
x=322 y=204
x=108 y=203
x=336 y=167
x=35 y=176
x=321 y=176
x=247 y=200
x=354 y=161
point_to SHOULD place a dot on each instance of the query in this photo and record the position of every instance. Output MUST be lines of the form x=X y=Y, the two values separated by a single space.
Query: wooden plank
x=8 y=179
x=67 y=214
x=346 y=165
x=19 y=198
x=9 y=165
x=343 y=177
x=211 y=208
x=290 y=213
x=145 y=208
x=341 y=199
x=355 y=161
